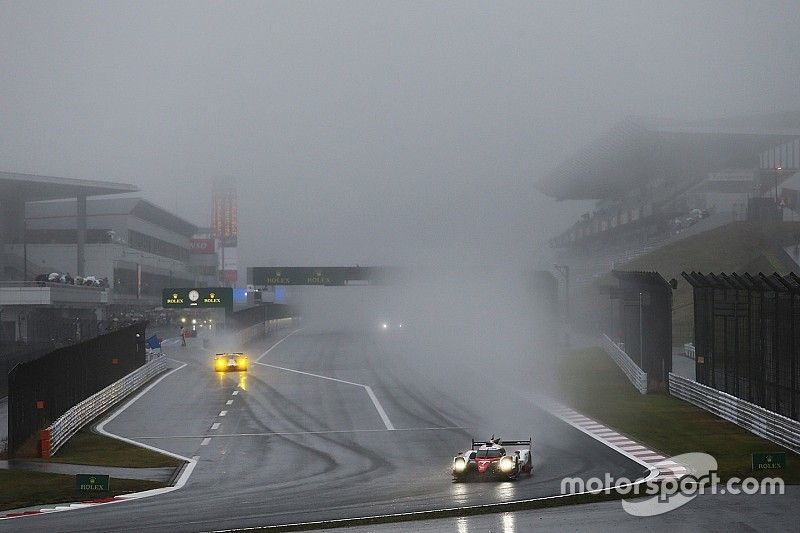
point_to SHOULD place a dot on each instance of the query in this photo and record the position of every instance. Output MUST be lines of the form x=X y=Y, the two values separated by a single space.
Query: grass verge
x=25 y=489
x=89 y=448
x=595 y=386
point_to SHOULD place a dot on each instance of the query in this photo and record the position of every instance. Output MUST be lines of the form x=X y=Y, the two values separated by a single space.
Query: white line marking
x=223 y=413
x=321 y=432
x=215 y=425
x=375 y=402
x=190 y=463
x=234 y=393
x=311 y=374
x=276 y=344
x=100 y=428
x=379 y=407
x=229 y=402
x=205 y=441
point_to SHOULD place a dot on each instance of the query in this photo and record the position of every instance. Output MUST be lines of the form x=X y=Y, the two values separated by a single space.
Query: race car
x=230 y=361
x=387 y=325
x=493 y=460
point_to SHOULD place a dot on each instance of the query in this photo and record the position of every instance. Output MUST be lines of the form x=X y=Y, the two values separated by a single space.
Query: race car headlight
x=459 y=465
x=506 y=464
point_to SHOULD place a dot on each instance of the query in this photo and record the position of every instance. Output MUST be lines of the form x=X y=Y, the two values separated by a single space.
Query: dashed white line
x=205 y=441
x=234 y=393
x=229 y=402
x=215 y=425
x=223 y=413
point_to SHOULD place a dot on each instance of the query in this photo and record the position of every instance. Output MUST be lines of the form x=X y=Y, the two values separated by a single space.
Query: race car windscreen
x=483 y=454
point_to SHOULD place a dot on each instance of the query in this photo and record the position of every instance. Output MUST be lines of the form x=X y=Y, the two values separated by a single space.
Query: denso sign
x=202 y=246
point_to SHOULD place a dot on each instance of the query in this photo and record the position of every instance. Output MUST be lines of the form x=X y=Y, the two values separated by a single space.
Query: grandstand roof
x=137 y=207
x=31 y=187
x=647 y=147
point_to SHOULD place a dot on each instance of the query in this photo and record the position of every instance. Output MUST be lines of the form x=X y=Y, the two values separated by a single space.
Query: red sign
x=230 y=276
x=224 y=216
x=202 y=246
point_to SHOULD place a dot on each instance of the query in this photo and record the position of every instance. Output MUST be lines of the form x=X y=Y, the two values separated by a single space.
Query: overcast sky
x=370 y=132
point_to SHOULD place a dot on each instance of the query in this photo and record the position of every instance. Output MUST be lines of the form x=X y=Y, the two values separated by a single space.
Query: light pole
x=777 y=171
x=564 y=271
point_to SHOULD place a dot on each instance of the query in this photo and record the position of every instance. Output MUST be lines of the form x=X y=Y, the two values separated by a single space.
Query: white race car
x=493 y=459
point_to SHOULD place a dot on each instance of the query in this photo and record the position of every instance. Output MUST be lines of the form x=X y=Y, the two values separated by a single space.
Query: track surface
x=332 y=456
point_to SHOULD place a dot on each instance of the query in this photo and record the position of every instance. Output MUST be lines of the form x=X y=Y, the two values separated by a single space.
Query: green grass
x=24 y=489
x=89 y=448
x=591 y=383
x=736 y=247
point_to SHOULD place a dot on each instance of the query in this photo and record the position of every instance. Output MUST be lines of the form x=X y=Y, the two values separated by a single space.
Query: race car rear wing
x=502 y=442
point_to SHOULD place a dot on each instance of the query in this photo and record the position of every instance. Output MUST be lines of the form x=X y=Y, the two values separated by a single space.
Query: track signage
x=92 y=482
x=769 y=461
x=325 y=276
x=197 y=297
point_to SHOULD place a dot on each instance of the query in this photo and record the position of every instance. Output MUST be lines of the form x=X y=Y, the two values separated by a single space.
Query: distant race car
x=386 y=324
x=492 y=459
x=230 y=361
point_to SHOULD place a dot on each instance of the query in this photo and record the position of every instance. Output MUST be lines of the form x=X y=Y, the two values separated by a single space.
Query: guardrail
x=632 y=371
x=68 y=286
x=688 y=350
x=758 y=420
x=59 y=432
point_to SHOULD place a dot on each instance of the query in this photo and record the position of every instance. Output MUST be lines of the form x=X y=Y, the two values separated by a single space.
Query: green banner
x=769 y=461
x=326 y=276
x=92 y=482
x=197 y=297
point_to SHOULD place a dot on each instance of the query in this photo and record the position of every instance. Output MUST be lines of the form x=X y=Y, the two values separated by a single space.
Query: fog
x=376 y=133
x=370 y=132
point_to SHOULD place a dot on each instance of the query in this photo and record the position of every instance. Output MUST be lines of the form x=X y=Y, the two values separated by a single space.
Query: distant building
x=137 y=245
x=649 y=176
x=17 y=189
x=204 y=258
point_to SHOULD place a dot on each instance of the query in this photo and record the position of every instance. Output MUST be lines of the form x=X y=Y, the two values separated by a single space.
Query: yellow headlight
x=459 y=464
x=506 y=464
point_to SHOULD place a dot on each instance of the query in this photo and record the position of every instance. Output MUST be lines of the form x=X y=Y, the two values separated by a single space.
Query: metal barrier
x=59 y=432
x=760 y=421
x=688 y=350
x=634 y=374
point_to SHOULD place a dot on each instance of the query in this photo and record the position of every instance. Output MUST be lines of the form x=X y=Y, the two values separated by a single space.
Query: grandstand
x=655 y=182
